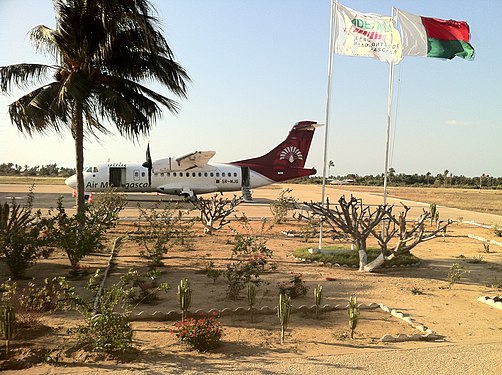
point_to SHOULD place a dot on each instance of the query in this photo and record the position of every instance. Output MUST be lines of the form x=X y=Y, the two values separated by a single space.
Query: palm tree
x=330 y=164
x=445 y=176
x=104 y=50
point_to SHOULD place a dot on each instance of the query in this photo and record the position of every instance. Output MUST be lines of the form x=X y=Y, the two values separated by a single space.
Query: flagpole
x=389 y=115
x=387 y=141
x=332 y=30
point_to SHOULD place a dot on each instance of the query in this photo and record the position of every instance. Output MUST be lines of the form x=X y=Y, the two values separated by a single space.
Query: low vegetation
x=344 y=255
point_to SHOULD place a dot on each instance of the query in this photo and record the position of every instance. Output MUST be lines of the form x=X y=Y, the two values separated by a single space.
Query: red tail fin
x=286 y=161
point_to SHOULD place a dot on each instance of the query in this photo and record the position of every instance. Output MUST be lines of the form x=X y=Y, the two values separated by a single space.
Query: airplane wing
x=194 y=159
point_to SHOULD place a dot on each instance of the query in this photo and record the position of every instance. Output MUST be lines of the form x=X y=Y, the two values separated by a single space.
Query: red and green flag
x=434 y=37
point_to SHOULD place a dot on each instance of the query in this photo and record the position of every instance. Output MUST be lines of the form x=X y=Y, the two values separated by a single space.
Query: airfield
x=469 y=332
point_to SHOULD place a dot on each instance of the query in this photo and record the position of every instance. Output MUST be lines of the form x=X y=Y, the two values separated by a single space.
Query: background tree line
x=53 y=170
x=445 y=179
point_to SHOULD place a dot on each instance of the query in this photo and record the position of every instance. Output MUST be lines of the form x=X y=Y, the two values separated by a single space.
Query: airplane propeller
x=148 y=164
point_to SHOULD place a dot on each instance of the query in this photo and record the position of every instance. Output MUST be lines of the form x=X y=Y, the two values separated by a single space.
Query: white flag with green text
x=366 y=34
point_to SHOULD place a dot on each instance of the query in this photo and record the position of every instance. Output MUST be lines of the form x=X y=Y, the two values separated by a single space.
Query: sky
x=258 y=67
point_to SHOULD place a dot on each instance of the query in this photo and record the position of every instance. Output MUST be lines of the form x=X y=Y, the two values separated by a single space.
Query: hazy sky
x=259 y=66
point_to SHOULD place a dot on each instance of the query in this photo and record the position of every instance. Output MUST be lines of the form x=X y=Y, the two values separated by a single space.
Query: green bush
x=22 y=237
x=107 y=327
x=250 y=259
x=157 y=232
x=349 y=257
x=81 y=234
x=55 y=294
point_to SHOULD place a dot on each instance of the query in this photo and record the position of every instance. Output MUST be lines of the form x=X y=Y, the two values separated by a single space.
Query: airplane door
x=246 y=182
x=117 y=176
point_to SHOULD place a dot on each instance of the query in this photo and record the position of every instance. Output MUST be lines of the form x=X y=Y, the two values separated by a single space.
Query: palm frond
x=23 y=75
x=31 y=113
x=45 y=40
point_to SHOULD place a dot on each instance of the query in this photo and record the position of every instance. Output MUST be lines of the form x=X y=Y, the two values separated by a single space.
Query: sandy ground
x=471 y=331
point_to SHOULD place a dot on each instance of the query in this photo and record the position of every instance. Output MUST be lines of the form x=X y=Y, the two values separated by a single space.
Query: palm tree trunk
x=78 y=136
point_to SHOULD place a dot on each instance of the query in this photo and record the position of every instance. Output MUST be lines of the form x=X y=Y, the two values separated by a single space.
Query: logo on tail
x=291 y=153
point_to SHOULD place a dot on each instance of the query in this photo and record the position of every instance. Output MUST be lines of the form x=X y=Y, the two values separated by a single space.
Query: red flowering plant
x=295 y=287
x=201 y=334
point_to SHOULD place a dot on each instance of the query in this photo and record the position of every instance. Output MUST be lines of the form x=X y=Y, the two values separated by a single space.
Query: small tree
x=249 y=260
x=214 y=211
x=79 y=236
x=353 y=221
x=408 y=236
x=282 y=206
x=158 y=233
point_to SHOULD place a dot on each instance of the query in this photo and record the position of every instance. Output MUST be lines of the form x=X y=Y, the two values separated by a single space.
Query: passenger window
x=193 y=174
x=223 y=174
x=142 y=174
x=211 y=174
x=235 y=174
x=217 y=174
x=168 y=174
x=174 y=174
x=187 y=174
x=205 y=174
x=162 y=175
x=136 y=174
x=200 y=174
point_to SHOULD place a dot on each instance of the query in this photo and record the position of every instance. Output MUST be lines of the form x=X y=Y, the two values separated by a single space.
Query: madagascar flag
x=434 y=37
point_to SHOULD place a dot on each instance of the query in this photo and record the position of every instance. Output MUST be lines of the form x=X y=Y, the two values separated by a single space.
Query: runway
x=46 y=197
x=46 y=200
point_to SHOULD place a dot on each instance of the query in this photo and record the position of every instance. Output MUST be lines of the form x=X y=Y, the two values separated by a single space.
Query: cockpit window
x=89 y=170
x=95 y=170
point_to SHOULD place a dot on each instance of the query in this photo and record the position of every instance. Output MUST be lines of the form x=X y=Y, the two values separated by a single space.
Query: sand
x=469 y=332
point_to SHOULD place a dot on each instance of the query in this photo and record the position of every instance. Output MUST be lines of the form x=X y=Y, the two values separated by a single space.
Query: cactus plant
x=434 y=211
x=7 y=323
x=283 y=312
x=184 y=297
x=251 y=299
x=353 y=313
x=318 y=299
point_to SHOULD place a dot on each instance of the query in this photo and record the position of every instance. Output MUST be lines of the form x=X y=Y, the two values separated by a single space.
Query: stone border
x=482 y=239
x=264 y=310
x=429 y=334
x=495 y=301
x=426 y=333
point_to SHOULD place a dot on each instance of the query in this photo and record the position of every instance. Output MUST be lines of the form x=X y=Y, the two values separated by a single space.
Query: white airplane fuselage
x=133 y=177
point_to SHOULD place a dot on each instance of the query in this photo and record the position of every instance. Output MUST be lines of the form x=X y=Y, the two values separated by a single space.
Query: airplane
x=191 y=174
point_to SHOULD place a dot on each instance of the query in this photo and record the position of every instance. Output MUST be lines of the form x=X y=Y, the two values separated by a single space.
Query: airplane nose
x=71 y=181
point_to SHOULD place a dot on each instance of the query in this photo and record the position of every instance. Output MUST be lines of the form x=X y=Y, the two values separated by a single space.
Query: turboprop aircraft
x=191 y=174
